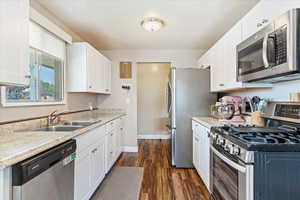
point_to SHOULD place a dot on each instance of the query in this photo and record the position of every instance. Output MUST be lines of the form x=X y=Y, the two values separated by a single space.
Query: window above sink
x=47 y=65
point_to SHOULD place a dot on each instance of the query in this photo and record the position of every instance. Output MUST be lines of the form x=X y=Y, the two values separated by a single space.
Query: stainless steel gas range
x=257 y=163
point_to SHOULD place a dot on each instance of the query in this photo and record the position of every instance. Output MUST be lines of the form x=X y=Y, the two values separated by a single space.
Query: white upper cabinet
x=262 y=14
x=14 y=42
x=107 y=75
x=221 y=58
x=88 y=70
x=217 y=67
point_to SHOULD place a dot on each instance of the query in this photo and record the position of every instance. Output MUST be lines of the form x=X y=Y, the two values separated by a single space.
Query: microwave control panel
x=287 y=110
x=280 y=37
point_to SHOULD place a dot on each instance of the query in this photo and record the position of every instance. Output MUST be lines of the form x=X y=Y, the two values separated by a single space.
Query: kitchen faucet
x=52 y=116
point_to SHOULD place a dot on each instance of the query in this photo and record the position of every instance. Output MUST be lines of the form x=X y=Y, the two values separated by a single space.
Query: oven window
x=225 y=180
x=250 y=59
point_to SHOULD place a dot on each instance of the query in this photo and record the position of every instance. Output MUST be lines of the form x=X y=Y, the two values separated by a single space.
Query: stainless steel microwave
x=272 y=54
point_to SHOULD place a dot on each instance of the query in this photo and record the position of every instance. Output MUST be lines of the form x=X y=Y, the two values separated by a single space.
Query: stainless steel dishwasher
x=46 y=176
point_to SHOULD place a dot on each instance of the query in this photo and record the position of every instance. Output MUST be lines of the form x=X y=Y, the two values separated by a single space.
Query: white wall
x=279 y=91
x=127 y=100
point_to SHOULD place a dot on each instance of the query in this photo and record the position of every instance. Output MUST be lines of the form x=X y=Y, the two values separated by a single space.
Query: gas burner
x=264 y=135
x=253 y=138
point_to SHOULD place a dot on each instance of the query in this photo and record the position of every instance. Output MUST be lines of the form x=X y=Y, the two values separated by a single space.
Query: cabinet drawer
x=89 y=138
x=195 y=125
x=80 y=155
x=110 y=126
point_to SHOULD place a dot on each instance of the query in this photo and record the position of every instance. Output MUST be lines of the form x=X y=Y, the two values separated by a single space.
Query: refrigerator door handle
x=169 y=93
x=173 y=140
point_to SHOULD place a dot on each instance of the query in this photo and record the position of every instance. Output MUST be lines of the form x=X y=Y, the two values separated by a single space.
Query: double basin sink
x=66 y=126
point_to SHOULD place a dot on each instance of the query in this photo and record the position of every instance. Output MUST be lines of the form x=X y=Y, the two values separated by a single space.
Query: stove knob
x=231 y=149
x=227 y=148
x=236 y=151
x=214 y=136
x=220 y=141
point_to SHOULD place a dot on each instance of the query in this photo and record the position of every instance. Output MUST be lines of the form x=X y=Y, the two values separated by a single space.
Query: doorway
x=152 y=80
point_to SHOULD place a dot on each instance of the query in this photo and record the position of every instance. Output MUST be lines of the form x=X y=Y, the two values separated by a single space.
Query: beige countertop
x=209 y=122
x=18 y=146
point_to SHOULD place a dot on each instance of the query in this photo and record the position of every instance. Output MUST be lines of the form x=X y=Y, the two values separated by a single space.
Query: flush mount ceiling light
x=152 y=24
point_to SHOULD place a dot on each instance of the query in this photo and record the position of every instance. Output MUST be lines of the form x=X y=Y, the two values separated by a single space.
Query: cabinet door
x=97 y=163
x=108 y=67
x=82 y=175
x=263 y=13
x=213 y=70
x=196 y=150
x=231 y=40
x=217 y=67
x=205 y=155
x=110 y=150
x=118 y=142
x=14 y=42
x=92 y=69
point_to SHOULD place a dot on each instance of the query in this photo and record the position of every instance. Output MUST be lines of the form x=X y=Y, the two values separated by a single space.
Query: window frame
x=6 y=103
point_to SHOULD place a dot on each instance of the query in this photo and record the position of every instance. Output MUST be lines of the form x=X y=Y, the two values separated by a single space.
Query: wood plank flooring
x=161 y=181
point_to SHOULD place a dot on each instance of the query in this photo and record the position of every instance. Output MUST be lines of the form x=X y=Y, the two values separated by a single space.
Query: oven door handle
x=264 y=51
x=236 y=166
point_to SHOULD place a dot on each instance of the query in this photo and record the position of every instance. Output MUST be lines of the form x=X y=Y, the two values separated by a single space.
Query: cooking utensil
x=255 y=101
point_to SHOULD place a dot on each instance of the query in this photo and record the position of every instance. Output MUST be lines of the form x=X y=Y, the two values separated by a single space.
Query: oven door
x=230 y=180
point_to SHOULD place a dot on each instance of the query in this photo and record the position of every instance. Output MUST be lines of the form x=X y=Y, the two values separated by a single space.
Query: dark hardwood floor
x=161 y=181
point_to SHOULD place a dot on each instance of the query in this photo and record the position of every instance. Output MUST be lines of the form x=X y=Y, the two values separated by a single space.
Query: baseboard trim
x=155 y=137
x=130 y=149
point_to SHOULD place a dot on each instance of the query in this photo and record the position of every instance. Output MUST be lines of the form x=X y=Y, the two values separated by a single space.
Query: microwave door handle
x=234 y=165
x=264 y=51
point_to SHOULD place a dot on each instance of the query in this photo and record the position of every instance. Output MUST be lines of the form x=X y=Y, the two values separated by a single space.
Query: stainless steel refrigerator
x=189 y=96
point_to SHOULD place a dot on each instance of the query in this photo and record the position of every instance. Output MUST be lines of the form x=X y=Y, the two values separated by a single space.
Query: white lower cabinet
x=113 y=139
x=82 y=176
x=98 y=163
x=97 y=151
x=201 y=151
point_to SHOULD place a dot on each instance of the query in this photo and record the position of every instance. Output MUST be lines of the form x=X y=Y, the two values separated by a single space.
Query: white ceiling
x=115 y=24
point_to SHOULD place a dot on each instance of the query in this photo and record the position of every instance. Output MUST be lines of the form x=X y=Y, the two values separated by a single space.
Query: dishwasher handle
x=26 y=170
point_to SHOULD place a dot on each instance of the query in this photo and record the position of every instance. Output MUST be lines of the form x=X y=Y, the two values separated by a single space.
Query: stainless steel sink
x=79 y=123
x=59 y=128
x=66 y=126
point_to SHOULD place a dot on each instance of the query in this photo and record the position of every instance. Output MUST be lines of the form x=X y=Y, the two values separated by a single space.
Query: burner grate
x=258 y=135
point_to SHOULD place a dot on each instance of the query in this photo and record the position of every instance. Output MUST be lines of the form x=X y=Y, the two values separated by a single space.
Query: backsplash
x=279 y=91
x=42 y=122
x=74 y=102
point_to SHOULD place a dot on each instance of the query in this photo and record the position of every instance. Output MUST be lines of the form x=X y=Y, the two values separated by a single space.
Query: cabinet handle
x=111 y=152
x=221 y=84
x=94 y=150
x=106 y=90
x=264 y=21
x=90 y=86
x=259 y=25
x=28 y=76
